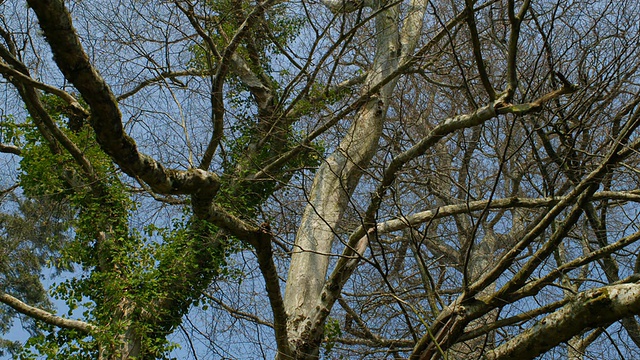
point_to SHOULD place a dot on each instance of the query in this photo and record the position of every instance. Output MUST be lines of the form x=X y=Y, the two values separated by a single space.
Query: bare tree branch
x=590 y=309
x=106 y=118
x=46 y=316
x=10 y=149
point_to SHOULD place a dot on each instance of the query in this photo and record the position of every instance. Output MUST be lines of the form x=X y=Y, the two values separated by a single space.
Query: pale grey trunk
x=338 y=176
x=333 y=185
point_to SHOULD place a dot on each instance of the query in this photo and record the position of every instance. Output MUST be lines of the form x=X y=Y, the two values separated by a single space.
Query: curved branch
x=519 y=318
x=26 y=87
x=406 y=63
x=237 y=313
x=45 y=316
x=8 y=71
x=477 y=51
x=10 y=149
x=590 y=309
x=106 y=118
x=359 y=239
x=506 y=203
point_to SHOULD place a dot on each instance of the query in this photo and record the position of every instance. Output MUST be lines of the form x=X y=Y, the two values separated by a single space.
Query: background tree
x=415 y=178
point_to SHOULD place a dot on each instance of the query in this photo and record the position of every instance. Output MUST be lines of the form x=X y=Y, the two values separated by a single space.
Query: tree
x=415 y=178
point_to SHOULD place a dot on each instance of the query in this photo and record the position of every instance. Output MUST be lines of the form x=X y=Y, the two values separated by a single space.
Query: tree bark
x=45 y=316
x=333 y=185
x=590 y=309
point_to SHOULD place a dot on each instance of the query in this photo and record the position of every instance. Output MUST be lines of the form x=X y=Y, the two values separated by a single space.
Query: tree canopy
x=415 y=179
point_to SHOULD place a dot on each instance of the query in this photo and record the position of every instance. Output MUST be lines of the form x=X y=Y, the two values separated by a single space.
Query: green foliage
x=11 y=132
x=275 y=29
x=251 y=148
x=268 y=34
x=114 y=259
x=142 y=271
x=142 y=281
x=331 y=333
x=59 y=344
x=244 y=198
x=56 y=175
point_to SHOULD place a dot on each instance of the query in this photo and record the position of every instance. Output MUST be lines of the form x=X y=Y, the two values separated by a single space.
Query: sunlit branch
x=590 y=309
x=408 y=62
x=347 y=6
x=164 y=199
x=45 y=316
x=297 y=105
x=358 y=240
x=27 y=80
x=390 y=343
x=506 y=203
x=10 y=149
x=221 y=217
